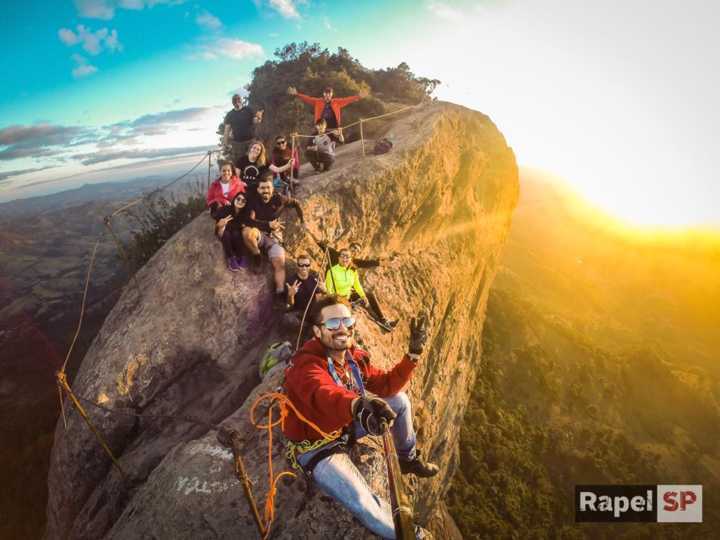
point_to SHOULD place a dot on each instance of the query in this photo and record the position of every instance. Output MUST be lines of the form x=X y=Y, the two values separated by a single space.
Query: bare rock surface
x=187 y=340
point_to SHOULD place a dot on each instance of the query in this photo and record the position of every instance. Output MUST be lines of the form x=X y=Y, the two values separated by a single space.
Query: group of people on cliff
x=330 y=381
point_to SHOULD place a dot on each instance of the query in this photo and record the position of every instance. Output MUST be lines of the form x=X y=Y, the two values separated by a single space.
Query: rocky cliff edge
x=188 y=342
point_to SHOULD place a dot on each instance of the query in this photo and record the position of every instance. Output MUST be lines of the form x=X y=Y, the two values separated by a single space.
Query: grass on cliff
x=159 y=219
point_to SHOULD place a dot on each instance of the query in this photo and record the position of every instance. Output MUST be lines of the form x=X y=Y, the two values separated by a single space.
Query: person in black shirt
x=303 y=288
x=252 y=165
x=264 y=231
x=241 y=122
x=230 y=223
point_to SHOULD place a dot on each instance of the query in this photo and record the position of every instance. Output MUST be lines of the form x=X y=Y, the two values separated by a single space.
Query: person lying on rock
x=222 y=190
x=326 y=381
x=327 y=108
x=228 y=228
x=343 y=280
x=303 y=288
x=263 y=231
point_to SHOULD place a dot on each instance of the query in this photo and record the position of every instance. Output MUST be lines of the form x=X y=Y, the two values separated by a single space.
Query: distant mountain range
x=600 y=366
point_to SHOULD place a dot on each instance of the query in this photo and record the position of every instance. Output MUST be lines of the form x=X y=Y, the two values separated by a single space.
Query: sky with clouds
x=617 y=97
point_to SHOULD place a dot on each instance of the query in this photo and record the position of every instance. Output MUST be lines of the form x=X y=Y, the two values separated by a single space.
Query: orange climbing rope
x=285 y=405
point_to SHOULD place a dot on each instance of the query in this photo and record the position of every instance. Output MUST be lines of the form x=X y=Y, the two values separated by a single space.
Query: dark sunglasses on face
x=281 y=142
x=300 y=265
x=335 y=322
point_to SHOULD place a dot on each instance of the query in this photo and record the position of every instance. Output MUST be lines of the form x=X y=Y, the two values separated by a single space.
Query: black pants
x=232 y=242
x=318 y=159
x=375 y=308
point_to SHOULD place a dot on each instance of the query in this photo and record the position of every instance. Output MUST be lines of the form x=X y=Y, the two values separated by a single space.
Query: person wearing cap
x=240 y=122
x=327 y=107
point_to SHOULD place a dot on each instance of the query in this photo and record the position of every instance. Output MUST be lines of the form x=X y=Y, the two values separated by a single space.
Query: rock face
x=187 y=340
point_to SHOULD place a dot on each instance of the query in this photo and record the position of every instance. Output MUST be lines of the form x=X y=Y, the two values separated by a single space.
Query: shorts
x=270 y=246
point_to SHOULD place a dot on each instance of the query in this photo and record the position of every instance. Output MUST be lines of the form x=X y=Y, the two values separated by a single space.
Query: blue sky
x=619 y=97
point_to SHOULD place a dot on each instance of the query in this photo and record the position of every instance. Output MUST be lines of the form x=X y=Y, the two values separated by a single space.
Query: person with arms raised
x=332 y=383
x=327 y=108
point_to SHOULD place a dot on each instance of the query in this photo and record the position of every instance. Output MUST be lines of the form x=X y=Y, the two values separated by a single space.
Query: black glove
x=372 y=413
x=418 y=335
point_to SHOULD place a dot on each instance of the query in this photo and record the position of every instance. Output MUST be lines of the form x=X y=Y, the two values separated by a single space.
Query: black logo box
x=618 y=495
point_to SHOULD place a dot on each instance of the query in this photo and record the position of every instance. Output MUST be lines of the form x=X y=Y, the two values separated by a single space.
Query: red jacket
x=321 y=400
x=335 y=104
x=215 y=192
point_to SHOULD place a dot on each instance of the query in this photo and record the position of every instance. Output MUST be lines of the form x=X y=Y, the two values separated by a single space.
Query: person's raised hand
x=224 y=221
x=418 y=334
x=275 y=225
x=294 y=288
x=292 y=91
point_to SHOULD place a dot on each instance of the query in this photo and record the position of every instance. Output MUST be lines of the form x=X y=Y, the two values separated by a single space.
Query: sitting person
x=303 y=288
x=252 y=165
x=231 y=221
x=321 y=150
x=284 y=163
x=263 y=231
x=224 y=189
x=343 y=280
x=326 y=381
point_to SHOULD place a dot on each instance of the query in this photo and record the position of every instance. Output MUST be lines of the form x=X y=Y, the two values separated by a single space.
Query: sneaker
x=418 y=467
x=232 y=264
x=422 y=534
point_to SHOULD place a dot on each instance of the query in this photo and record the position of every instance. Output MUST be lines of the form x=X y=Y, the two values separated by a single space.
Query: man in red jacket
x=327 y=107
x=333 y=385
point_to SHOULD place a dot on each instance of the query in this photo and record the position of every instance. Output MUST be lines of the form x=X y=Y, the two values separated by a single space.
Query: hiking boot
x=418 y=467
x=279 y=303
x=233 y=264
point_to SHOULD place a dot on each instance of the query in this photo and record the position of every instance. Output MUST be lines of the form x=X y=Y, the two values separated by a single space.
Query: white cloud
x=92 y=41
x=95 y=9
x=82 y=68
x=236 y=49
x=286 y=8
x=327 y=24
x=208 y=20
x=68 y=37
x=445 y=11
x=105 y=9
